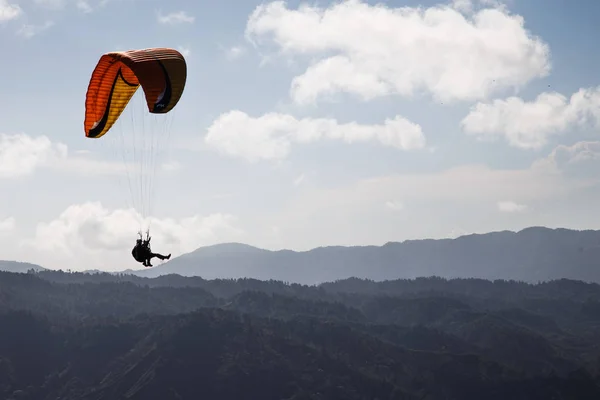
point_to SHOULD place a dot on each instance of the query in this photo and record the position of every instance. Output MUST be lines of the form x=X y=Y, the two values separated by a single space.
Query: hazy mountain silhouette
x=16 y=266
x=533 y=254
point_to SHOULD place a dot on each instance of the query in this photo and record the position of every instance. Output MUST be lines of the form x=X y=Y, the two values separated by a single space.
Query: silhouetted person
x=143 y=254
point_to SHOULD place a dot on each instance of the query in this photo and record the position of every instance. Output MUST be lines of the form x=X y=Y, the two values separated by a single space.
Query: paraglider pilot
x=142 y=252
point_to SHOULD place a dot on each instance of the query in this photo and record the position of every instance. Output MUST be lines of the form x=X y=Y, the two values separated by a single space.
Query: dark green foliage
x=81 y=336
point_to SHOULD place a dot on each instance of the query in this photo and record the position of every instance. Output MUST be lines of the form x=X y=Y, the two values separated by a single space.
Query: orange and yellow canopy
x=161 y=72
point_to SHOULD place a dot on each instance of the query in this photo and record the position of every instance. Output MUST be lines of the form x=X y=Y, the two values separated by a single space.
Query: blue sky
x=280 y=139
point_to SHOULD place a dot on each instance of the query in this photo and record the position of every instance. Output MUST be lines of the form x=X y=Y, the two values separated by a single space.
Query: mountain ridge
x=531 y=254
x=19 y=266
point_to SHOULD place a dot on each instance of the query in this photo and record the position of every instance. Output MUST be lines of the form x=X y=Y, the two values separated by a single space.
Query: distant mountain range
x=531 y=255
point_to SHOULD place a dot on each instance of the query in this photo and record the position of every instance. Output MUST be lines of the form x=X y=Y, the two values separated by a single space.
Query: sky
x=301 y=125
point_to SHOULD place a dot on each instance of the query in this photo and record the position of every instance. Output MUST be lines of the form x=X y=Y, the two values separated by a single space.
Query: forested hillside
x=81 y=336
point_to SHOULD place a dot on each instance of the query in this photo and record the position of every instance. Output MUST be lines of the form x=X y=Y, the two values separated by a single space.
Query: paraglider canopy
x=161 y=72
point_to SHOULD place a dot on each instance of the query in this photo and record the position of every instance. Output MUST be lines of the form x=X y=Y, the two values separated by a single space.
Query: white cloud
x=7 y=225
x=511 y=207
x=529 y=125
x=465 y=6
x=175 y=18
x=235 y=52
x=271 y=135
x=458 y=199
x=84 y=6
x=9 y=11
x=28 y=31
x=105 y=237
x=21 y=155
x=468 y=6
x=465 y=185
x=581 y=160
x=54 y=4
x=394 y=205
x=373 y=51
x=357 y=213
x=442 y=203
